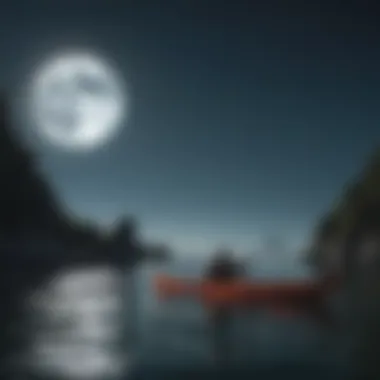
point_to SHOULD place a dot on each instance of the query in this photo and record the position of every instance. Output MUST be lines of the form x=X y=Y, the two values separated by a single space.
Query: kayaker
x=223 y=268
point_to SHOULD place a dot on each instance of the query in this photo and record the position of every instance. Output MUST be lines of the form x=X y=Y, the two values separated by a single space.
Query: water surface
x=174 y=336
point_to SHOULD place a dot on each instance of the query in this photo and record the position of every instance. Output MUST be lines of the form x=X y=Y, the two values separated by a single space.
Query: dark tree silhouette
x=25 y=199
x=355 y=216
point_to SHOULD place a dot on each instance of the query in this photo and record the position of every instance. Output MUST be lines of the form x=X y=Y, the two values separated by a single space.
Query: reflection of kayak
x=284 y=297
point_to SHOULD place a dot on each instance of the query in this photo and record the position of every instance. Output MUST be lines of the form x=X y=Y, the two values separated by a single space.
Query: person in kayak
x=222 y=268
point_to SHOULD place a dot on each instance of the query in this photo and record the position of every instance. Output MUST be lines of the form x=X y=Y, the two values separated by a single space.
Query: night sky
x=245 y=122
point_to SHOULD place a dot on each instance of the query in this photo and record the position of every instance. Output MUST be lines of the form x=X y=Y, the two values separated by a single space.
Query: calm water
x=173 y=336
x=76 y=327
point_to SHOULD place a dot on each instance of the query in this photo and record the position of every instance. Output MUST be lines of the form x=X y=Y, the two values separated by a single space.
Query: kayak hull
x=305 y=299
x=239 y=293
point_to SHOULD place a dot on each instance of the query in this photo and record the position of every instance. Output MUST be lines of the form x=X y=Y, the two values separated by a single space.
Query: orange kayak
x=242 y=292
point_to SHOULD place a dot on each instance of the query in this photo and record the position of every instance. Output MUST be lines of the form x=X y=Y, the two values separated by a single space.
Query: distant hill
x=158 y=252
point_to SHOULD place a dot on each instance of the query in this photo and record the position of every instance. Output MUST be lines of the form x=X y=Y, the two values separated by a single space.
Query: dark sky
x=246 y=120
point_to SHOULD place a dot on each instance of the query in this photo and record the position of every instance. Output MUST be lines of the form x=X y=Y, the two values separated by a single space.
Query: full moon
x=77 y=101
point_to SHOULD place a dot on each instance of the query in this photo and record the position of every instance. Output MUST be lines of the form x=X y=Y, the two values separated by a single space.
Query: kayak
x=289 y=299
x=241 y=292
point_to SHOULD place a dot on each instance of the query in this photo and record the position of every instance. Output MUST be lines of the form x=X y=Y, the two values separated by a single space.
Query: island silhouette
x=39 y=238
